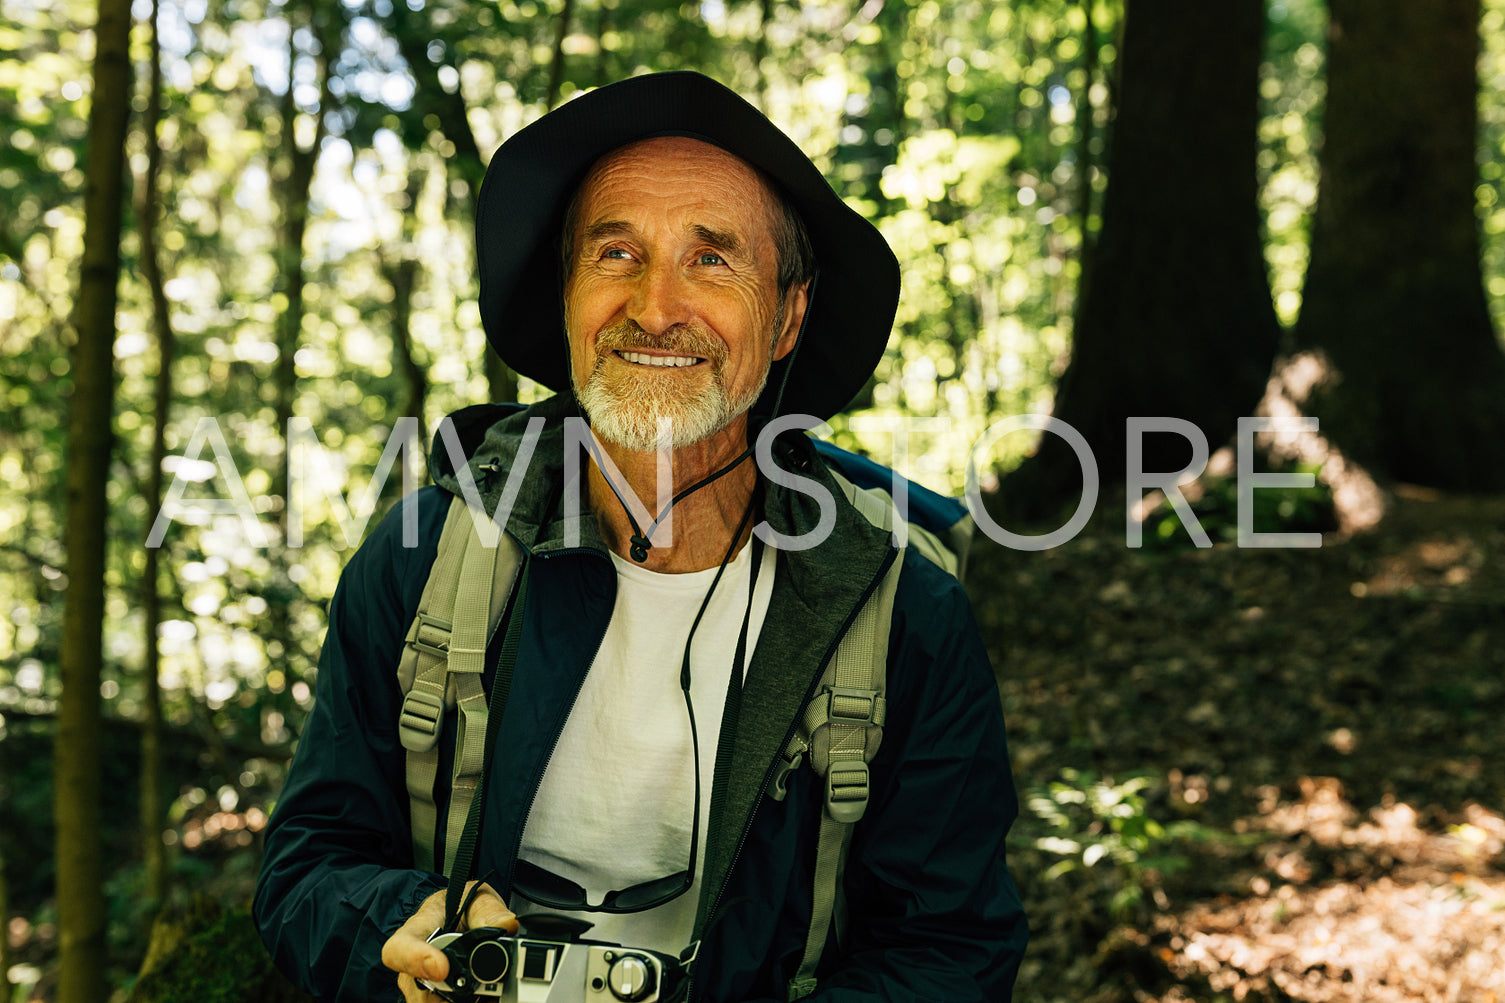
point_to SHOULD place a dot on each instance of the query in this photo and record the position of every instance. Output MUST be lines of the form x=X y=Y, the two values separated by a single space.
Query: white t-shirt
x=614 y=806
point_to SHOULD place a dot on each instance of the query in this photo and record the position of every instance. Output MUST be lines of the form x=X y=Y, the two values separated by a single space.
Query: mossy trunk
x=1394 y=298
x=153 y=798
x=1174 y=314
x=80 y=871
x=204 y=953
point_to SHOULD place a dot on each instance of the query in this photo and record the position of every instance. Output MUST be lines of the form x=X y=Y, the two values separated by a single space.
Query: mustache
x=681 y=339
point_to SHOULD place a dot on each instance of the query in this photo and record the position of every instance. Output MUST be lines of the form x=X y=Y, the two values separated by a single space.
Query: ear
x=796 y=301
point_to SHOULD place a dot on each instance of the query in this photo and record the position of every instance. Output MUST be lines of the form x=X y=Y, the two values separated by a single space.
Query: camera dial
x=630 y=977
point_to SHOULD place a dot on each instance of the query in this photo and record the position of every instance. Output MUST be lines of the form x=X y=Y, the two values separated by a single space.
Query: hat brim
x=531 y=178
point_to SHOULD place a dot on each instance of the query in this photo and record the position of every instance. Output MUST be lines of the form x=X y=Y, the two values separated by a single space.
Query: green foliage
x=973 y=134
x=1097 y=823
x=1215 y=505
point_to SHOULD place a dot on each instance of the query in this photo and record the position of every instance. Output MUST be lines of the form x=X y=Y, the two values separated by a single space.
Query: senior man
x=678 y=271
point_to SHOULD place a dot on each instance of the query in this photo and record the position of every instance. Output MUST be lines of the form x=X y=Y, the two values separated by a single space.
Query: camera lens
x=488 y=962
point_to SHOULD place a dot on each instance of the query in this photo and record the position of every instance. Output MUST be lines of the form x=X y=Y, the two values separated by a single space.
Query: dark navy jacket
x=933 y=913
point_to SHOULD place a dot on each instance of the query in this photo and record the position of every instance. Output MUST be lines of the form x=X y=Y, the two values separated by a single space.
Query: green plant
x=1091 y=822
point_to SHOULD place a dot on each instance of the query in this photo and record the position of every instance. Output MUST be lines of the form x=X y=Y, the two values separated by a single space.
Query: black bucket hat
x=531 y=178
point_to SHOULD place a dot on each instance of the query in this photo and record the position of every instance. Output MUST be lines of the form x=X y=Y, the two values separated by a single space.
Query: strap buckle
x=418 y=724
x=856 y=706
x=432 y=635
x=847 y=789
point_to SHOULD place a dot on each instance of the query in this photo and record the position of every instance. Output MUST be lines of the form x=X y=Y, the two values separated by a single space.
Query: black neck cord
x=684 y=669
x=640 y=542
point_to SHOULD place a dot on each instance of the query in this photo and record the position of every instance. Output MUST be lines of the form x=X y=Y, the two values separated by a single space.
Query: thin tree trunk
x=402 y=275
x=760 y=51
x=465 y=162
x=1085 y=129
x=295 y=184
x=1394 y=300
x=5 y=993
x=153 y=801
x=80 y=872
x=1174 y=317
x=556 y=64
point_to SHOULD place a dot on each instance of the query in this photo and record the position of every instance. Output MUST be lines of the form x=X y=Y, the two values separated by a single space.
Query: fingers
x=488 y=909
x=412 y=992
x=408 y=952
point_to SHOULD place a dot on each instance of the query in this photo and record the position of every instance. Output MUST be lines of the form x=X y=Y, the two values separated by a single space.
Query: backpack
x=838 y=732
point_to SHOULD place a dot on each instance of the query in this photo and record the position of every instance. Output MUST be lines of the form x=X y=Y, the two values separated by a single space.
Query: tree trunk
x=1084 y=120
x=153 y=801
x=1415 y=379
x=5 y=992
x=401 y=274
x=760 y=52
x=295 y=183
x=80 y=878
x=556 y=65
x=454 y=122
x=1174 y=316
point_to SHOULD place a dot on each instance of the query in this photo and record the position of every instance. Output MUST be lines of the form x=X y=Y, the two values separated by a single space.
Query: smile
x=668 y=361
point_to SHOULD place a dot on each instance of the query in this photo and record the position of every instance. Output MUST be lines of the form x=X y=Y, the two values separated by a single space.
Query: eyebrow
x=608 y=228
x=721 y=240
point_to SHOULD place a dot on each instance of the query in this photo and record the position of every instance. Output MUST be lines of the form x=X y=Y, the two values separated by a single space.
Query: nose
x=661 y=298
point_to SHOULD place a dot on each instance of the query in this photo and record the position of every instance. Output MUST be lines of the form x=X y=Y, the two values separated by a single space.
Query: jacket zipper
x=773 y=767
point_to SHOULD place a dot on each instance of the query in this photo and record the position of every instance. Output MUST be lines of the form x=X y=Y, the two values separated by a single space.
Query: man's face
x=672 y=297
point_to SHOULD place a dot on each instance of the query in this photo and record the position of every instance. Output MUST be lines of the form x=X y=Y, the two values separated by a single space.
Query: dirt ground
x=1318 y=733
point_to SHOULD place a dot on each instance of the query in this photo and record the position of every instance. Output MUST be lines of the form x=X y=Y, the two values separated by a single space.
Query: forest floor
x=1260 y=775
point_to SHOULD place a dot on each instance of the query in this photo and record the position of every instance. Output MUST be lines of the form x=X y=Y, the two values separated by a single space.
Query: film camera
x=490 y=962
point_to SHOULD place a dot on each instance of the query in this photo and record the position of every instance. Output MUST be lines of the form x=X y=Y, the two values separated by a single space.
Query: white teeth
x=659 y=360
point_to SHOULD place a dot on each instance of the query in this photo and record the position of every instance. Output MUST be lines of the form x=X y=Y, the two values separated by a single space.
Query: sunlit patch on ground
x=1421 y=921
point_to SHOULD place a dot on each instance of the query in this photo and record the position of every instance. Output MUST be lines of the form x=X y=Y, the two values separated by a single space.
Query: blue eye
x=709 y=258
x=615 y=253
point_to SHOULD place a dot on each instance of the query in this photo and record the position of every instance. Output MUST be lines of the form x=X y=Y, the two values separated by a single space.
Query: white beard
x=626 y=409
x=628 y=414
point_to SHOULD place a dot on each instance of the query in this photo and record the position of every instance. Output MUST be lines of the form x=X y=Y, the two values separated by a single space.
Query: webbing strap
x=467 y=660
x=441 y=667
x=421 y=674
x=460 y=861
x=851 y=707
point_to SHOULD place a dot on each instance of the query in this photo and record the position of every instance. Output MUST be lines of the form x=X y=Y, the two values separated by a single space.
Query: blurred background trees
x=1101 y=207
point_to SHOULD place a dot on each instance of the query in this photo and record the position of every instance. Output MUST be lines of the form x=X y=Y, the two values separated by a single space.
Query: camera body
x=490 y=962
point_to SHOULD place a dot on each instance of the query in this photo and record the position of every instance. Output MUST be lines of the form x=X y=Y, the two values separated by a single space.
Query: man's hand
x=409 y=953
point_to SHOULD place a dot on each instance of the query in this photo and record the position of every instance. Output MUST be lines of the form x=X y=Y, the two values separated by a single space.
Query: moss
x=204 y=953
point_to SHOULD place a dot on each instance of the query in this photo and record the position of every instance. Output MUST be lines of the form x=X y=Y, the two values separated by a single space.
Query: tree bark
x=153 y=800
x=760 y=52
x=556 y=65
x=1084 y=118
x=80 y=878
x=5 y=991
x=294 y=185
x=1174 y=316
x=401 y=273
x=466 y=161
x=1394 y=301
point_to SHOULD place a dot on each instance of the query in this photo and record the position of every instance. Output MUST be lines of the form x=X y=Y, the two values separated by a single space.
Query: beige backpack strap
x=442 y=661
x=877 y=507
x=841 y=730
